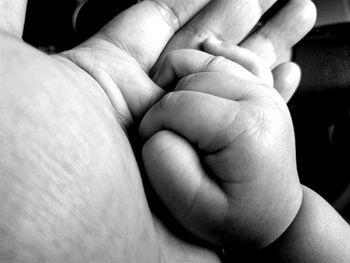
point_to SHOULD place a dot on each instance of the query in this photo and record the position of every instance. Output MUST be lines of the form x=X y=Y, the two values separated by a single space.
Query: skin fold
x=220 y=149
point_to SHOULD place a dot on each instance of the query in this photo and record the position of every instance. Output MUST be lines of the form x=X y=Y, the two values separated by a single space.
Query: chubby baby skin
x=220 y=149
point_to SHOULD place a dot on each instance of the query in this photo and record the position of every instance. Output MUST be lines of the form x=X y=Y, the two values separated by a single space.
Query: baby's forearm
x=317 y=235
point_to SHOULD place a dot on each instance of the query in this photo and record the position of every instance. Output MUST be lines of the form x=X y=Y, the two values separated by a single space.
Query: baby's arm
x=317 y=235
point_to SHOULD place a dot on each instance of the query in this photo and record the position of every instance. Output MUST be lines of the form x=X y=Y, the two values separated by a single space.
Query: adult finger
x=283 y=30
x=180 y=63
x=12 y=15
x=177 y=175
x=224 y=19
x=120 y=55
x=233 y=21
x=287 y=78
x=191 y=109
x=143 y=30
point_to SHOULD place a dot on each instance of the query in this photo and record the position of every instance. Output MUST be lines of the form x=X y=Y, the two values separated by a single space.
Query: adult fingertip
x=295 y=75
x=309 y=14
x=287 y=78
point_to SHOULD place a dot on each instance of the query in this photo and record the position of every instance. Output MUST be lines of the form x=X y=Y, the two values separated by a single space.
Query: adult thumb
x=286 y=79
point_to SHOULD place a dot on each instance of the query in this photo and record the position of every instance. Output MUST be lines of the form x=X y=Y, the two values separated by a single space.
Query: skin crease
x=71 y=187
x=220 y=149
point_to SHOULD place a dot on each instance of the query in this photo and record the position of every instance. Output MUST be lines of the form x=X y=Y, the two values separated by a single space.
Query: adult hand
x=146 y=32
x=71 y=188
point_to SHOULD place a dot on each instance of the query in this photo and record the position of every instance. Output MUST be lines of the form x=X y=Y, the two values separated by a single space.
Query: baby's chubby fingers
x=198 y=117
x=182 y=129
x=223 y=58
x=244 y=57
x=230 y=87
x=183 y=62
x=240 y=136
x=284 y=78
x=176 y=173
x=225 y=114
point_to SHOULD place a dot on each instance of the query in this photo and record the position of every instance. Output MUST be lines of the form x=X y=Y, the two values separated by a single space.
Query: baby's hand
x=220 y=149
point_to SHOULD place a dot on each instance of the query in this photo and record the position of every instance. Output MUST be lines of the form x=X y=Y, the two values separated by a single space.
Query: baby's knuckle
x=255 y=122
x=269 y=120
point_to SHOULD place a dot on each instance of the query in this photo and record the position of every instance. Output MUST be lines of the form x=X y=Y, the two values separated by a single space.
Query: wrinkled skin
x=71 y=188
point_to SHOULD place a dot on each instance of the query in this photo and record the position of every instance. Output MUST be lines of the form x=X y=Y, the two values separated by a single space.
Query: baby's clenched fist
x=220 y=149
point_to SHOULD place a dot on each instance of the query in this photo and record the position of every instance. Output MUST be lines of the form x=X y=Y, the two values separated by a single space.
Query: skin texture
x=71 y=188
x=318 y=235
x=220 y=149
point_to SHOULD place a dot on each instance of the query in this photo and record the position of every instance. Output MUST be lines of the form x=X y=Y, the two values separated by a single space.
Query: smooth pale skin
x=71 y=188
x=220 y=149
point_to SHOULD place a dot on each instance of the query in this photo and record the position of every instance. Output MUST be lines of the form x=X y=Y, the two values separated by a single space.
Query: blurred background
x=320 y=109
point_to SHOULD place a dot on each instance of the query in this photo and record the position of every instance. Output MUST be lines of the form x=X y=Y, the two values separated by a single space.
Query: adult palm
x=71 y=187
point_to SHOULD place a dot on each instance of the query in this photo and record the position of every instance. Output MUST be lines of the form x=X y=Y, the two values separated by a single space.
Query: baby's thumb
x=178 y=177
